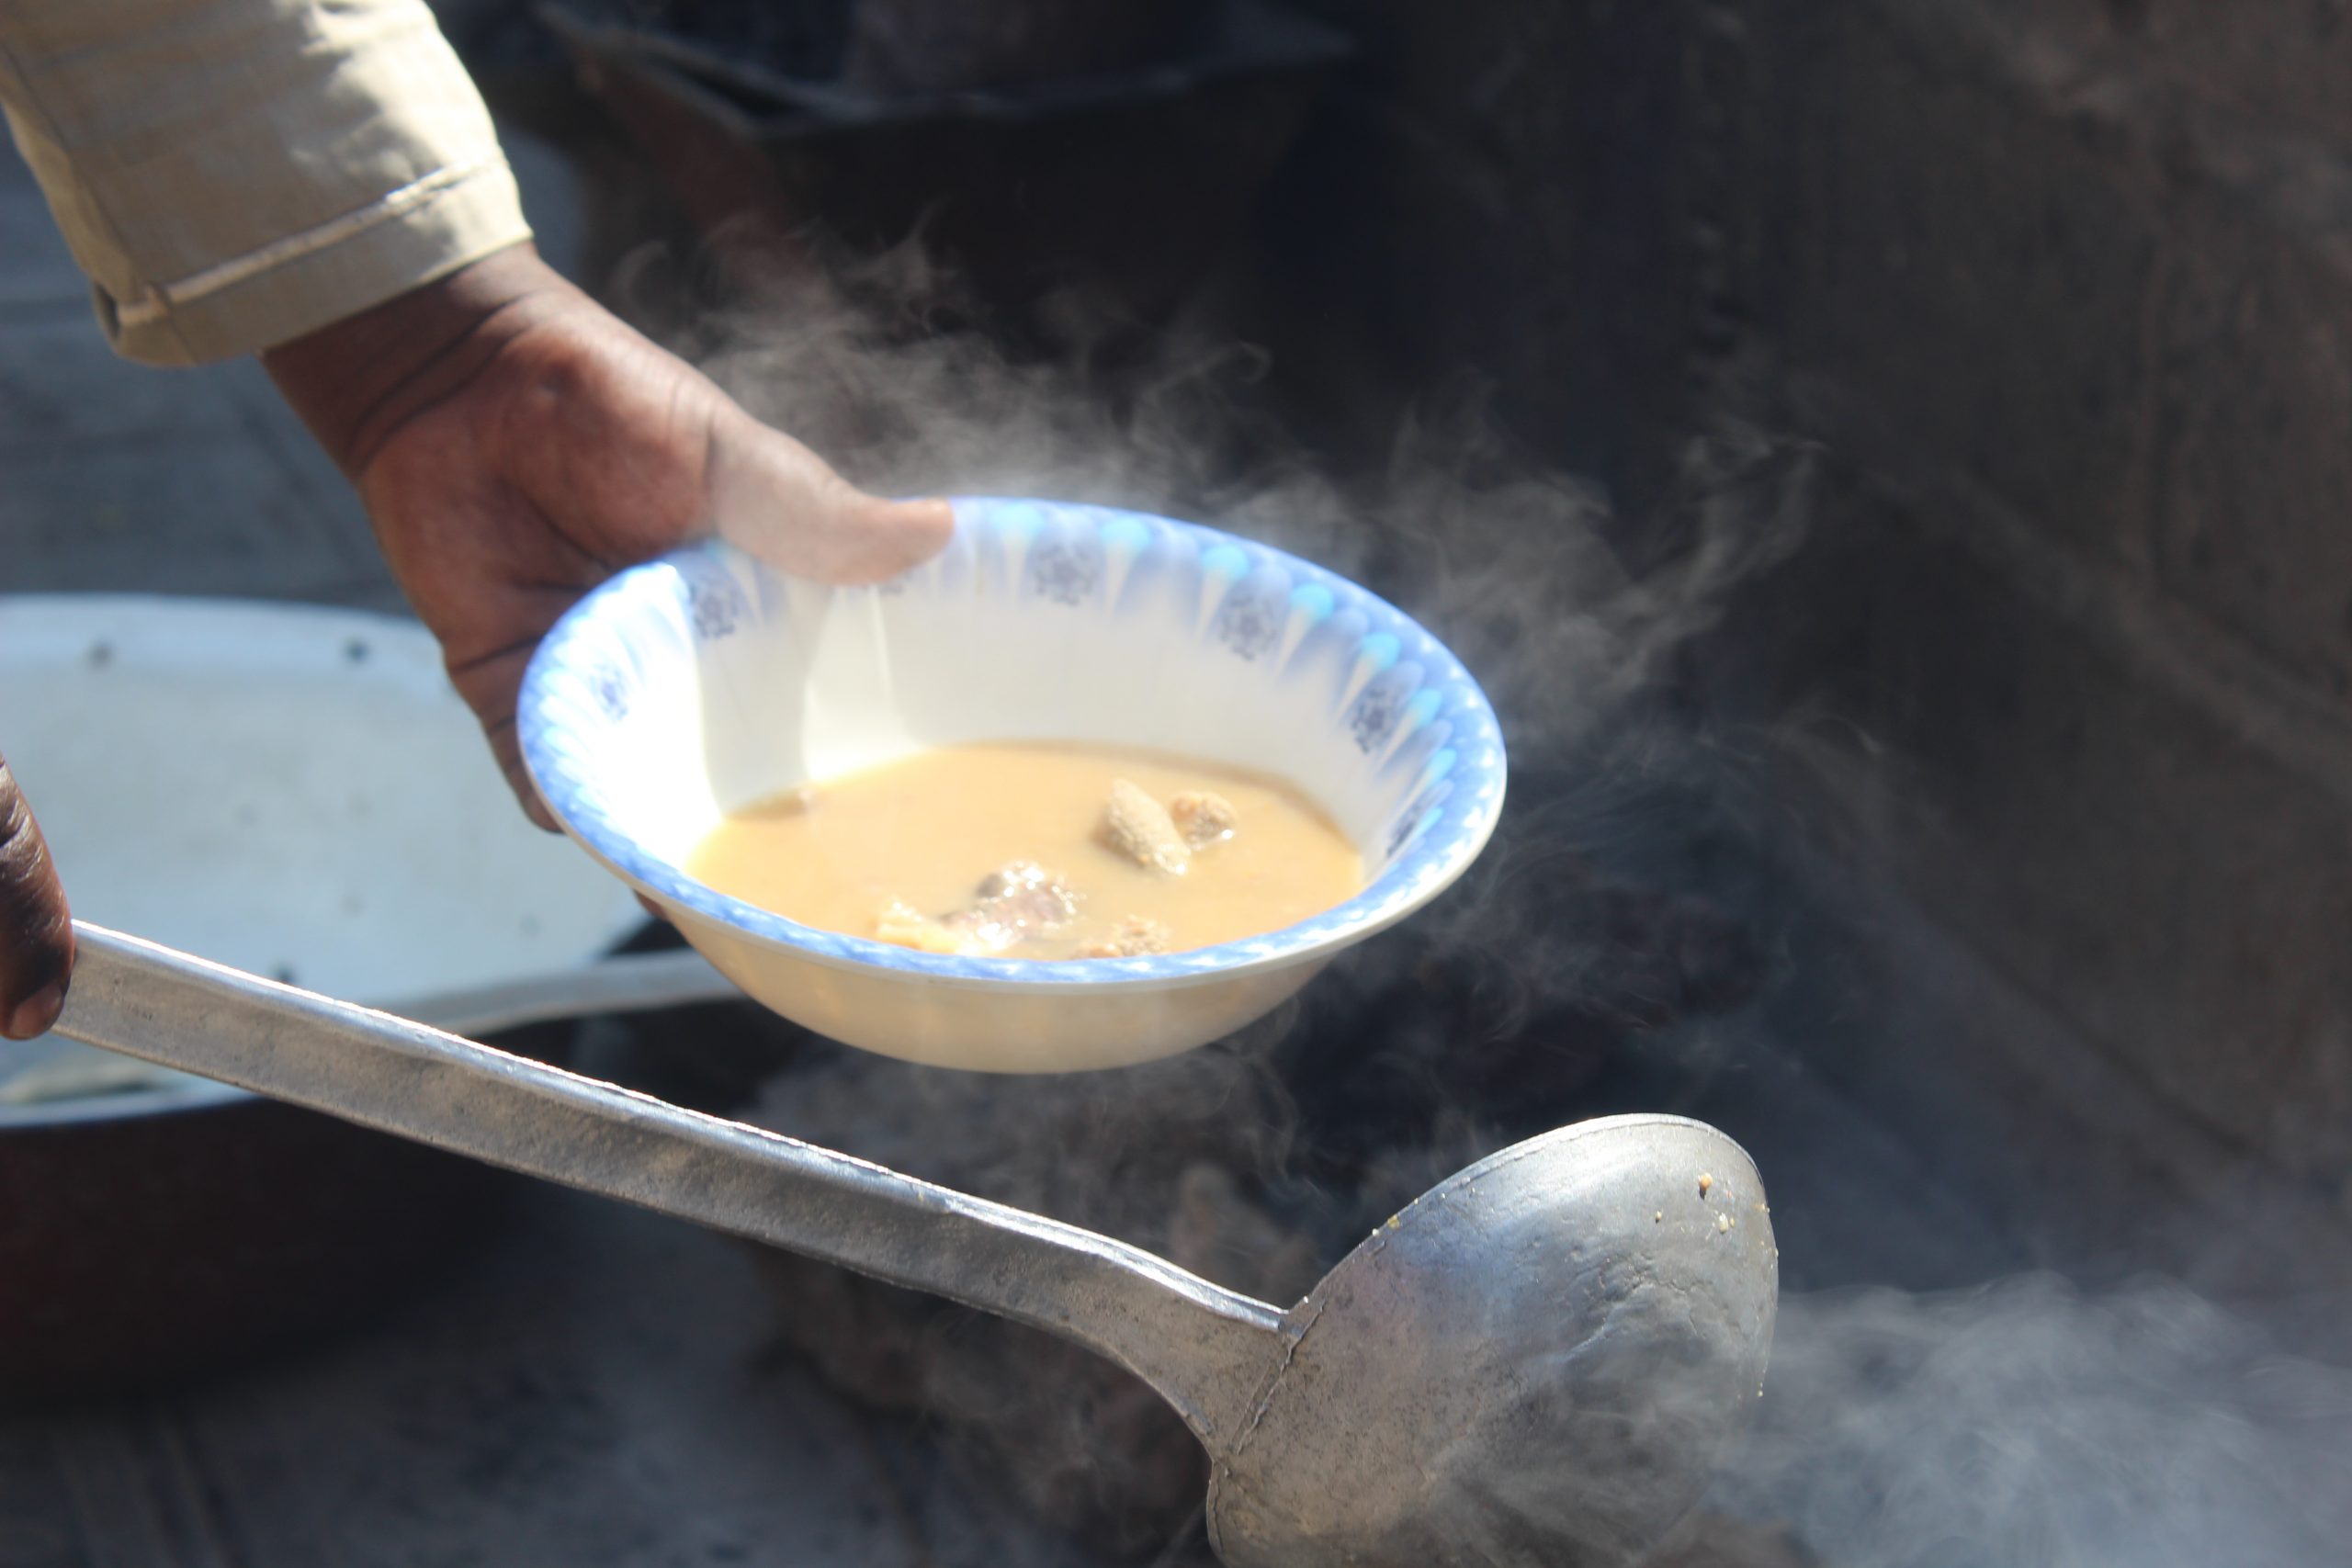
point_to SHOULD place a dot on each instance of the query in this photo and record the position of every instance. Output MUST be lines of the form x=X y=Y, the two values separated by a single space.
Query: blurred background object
x=902 y=46
x=1039 y=149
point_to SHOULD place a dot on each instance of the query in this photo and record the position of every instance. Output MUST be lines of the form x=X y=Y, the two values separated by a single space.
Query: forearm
x=235 y=173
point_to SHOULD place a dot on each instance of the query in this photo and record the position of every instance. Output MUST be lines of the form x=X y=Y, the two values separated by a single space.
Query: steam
x=2018 y=1424
x=879 y=363
x=883 y=365
x=2024 y=1424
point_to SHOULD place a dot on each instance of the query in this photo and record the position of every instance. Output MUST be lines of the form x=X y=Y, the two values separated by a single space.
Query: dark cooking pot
x=158 y=1237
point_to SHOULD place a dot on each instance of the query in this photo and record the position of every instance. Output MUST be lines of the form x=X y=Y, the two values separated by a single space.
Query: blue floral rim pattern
x=1271 y=604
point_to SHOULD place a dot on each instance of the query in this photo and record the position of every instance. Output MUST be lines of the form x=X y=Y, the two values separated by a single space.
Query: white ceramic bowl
x=706 y=680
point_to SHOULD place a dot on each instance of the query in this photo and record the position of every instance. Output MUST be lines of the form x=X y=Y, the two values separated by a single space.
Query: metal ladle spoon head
x=1538 y=1362
x=1532 y=1366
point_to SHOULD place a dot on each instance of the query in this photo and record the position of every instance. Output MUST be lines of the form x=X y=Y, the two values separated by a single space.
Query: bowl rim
x=1440 y=851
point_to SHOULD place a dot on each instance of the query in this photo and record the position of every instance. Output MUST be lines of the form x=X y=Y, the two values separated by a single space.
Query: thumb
x=773 y=497
x=36 y=928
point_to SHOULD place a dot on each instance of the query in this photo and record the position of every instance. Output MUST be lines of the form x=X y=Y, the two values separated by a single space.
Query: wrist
x=356 y=381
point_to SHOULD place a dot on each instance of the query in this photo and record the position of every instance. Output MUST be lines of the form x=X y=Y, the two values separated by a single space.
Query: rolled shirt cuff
x=235 y=174
x=305 y=281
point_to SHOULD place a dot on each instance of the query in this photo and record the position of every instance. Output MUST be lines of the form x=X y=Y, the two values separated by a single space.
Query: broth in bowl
x=1037 y=850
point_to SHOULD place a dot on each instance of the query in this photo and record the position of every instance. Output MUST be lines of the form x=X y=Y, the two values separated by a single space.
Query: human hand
x=36 y=930
x=516 y=445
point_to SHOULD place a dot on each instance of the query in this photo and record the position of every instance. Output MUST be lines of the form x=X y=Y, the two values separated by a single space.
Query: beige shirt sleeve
x=233 y=173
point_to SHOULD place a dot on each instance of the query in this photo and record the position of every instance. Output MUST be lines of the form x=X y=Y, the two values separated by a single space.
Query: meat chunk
x=1202 y=818
x=1139 y=827
x=1027 y=891
x=1136 y=937
x=1022 y=900
x=1009 y=905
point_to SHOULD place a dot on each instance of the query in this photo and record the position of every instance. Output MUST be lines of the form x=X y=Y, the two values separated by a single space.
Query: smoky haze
x=2024 y=1424
x=2015 y=1423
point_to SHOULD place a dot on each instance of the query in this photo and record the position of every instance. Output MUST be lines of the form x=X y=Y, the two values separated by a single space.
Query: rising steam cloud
x=2024 y=1426
x=2020 y=1425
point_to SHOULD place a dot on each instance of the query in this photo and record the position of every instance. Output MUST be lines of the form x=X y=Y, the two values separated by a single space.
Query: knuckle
x=32 y=909
x=19 y=837
x=36 y=928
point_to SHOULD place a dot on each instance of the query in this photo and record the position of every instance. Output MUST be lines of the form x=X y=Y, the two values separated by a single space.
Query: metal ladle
x=1535 y=1364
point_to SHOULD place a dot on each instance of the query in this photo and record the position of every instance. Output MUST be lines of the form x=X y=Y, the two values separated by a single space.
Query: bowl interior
x=708 y=680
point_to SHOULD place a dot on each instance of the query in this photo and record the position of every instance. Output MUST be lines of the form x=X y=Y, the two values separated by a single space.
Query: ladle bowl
x=1538 y=1362
x=1533 y=1366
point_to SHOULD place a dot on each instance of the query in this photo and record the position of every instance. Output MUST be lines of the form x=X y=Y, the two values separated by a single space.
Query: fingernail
x=36 y=1013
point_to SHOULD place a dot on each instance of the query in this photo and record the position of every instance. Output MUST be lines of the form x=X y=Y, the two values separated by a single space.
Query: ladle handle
x=1205 y=1349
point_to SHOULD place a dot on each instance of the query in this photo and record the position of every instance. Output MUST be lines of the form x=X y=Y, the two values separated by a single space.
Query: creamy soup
x=1037 y=850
